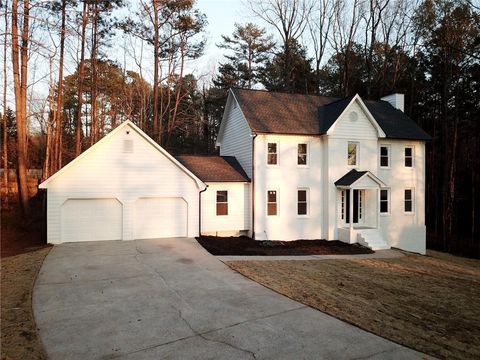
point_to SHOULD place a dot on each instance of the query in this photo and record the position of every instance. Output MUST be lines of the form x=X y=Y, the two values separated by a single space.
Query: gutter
x=254 y=135
x=200 y=210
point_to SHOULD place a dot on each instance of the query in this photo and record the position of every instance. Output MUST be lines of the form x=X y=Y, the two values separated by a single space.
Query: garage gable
x=125 y=155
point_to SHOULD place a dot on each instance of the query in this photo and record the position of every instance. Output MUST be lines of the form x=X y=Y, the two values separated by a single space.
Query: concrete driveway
x=170 y=299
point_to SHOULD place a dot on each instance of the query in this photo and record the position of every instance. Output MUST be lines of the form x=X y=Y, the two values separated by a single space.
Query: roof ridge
x=283 y=92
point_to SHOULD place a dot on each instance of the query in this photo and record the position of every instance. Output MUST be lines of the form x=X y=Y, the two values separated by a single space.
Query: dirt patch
x=246 y=246
x=23 y=251
x=429 y=303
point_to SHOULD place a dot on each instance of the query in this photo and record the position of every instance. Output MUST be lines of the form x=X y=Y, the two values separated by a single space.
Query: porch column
x=350 y=211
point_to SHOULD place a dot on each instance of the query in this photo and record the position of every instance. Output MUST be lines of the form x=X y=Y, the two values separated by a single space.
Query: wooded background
x=428 y=50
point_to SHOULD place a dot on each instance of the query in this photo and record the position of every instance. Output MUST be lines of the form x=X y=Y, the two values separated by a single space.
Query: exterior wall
x=236 y=137
x=109 y=172
x=399 y=229
x=238 y=219
x=404 y=230
x=286 y=178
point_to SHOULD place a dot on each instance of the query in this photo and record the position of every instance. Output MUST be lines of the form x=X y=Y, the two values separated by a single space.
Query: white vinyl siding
x=236 y=139
x=238 y=218
x=349 y=127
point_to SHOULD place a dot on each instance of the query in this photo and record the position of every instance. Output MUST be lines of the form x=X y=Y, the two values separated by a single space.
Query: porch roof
x=353 y=176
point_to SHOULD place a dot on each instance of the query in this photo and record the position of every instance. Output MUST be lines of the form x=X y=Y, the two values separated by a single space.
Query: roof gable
x=356 y=178
x=114 y=132
x=342 y=107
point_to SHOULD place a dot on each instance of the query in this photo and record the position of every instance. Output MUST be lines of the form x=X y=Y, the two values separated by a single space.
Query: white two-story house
x=327 y=168
x=290 y=167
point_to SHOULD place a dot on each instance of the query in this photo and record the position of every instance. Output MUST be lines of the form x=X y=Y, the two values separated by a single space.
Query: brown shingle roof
x=214 y=168
x=281 y=113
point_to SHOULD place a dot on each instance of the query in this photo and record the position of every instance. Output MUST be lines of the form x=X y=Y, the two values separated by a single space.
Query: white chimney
x=396 y=100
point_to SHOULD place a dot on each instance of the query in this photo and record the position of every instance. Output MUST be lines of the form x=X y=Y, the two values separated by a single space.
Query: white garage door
x=91 y=220
x=160 y=217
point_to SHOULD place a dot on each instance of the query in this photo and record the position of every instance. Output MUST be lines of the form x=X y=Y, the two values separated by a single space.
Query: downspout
x=254 y=135
x=200 y=210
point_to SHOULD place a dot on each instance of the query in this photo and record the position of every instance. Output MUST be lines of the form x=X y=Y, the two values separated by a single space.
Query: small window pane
x=384 y=151
x=302 y=195
x=302 y=208
x=222 y=196
x=408 y=207
x=272 y=209
x=384 y=156
x=384 y=207
x=302 y=154
x=352 y=154
x=222 y=209
x=272 y=196
x=272 y=148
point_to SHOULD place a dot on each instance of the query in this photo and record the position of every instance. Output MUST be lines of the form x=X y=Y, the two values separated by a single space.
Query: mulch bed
x=246 y=246
x=23 y=250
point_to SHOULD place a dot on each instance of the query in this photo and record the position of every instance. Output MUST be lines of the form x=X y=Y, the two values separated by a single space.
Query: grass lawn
x=22 y=255
x=429 y=303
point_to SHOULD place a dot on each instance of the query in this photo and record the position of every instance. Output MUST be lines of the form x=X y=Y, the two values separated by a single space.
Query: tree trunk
x=20 y=89
x=4 y=134
x=58 y=112
x=156 y=132
x=93 y=67
x=81 y=74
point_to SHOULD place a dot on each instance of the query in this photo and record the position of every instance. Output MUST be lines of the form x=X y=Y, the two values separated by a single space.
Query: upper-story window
x=272 y=154
x=302 y=154
x=409 y=156
x=385 y=156
x=222 y=202
x=352 y=153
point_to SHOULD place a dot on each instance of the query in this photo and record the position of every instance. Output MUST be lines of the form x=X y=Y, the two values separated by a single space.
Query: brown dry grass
x=429 y=303
x=22 y=257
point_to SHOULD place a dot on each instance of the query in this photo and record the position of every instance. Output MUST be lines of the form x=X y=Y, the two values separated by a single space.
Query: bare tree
x=288 y=17
x=81 y=77
x=20 y=73
x=319 y=25
x=4 y=135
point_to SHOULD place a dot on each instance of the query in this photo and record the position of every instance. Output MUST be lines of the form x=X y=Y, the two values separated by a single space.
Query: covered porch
x=359 y=208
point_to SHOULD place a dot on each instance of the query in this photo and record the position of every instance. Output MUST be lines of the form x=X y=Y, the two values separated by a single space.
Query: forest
x=73 y=70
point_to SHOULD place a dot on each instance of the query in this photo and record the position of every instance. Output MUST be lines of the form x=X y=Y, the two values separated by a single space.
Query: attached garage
x=124 y=187
x=160 y=217
x=85 y=219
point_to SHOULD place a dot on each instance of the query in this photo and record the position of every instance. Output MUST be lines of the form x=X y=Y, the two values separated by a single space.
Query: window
x=408 y=203
x=409 y=156
x=384 y=195
x=272 y=154
x=343 y=204
x=384 y=156
x=271 y=202
x=222 y=202
x=302 y=154
x=352 y=153
x=302 y=202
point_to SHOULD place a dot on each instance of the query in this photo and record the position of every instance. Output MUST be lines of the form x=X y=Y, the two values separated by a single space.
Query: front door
x=357 y=206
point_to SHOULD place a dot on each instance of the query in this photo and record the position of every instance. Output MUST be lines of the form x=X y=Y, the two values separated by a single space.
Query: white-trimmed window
x=352 y=153
x=302 y=202
x=302 y=154
x=272 y=153
x=222 y=202
x=384 y=201
x=409 y=201
x=272 y=203
x=384 y=156
x=409 y=156
x=343 y=204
